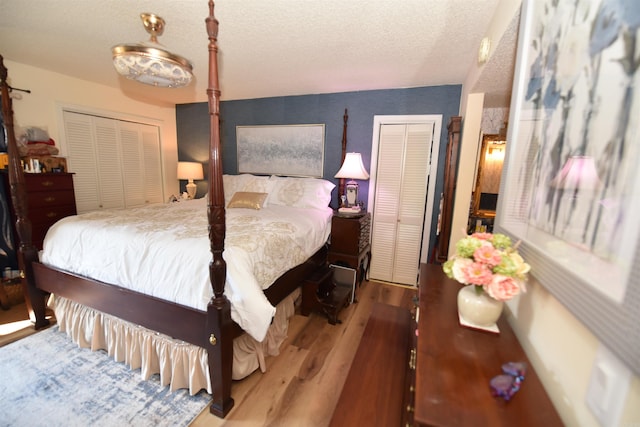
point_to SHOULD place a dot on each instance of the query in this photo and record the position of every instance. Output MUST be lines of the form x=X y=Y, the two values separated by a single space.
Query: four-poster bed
x=211 y=329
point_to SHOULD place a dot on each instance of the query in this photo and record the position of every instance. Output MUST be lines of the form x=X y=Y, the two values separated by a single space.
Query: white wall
x=50 y=91
x=471 y=124
x=560 y=347
x=562 y=351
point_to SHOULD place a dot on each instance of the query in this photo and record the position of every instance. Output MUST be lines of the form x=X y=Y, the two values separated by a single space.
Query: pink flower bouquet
x=491 y=263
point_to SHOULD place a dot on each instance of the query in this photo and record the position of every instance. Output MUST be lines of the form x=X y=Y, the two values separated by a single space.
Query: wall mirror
x=490 y=161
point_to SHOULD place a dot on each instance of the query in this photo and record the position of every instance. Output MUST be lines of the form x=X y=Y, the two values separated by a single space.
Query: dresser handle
x=409 y=408
x=412 y=359
x=52 y=214
x=49 y=199
x=47 y=183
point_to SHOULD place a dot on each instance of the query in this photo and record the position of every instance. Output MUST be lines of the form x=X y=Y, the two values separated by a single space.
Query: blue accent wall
x=193 y=125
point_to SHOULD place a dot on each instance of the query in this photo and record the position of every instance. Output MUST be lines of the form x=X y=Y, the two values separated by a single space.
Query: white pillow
x=245 y=183
x=232 y=184
x=301 y=192
x=257 y=183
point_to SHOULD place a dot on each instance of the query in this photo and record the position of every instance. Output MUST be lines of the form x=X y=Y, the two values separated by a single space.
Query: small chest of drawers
x=50 y=198
x=350 y=247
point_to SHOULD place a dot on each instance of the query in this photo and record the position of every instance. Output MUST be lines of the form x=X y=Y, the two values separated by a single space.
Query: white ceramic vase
x=478 y=308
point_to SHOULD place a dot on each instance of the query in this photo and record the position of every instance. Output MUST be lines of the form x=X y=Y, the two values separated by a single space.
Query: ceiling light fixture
x=149 y=62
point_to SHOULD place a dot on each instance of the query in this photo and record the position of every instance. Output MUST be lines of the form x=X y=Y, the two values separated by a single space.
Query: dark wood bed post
x=219 y=323
x=344 y=154
x=27 y=252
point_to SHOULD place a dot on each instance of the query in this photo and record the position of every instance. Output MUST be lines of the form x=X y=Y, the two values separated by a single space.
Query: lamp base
x=351 y=191
x=191 y=189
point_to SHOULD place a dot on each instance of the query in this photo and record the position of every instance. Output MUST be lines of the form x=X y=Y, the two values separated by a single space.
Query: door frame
x=436 y=119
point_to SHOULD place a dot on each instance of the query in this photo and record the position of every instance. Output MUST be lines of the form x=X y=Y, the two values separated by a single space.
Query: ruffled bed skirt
x=180 y=364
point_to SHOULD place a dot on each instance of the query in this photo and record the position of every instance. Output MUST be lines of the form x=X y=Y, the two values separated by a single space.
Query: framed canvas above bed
x=288 y=150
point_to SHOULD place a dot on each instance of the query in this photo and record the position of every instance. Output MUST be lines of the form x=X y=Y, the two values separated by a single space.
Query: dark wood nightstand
x=350 y=243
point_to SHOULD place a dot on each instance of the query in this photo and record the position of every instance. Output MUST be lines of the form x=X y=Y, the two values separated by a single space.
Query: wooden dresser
x=444 y=375
x=50 y=197
x=455 y=364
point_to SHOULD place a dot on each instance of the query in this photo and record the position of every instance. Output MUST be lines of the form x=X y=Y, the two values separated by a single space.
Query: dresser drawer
x=48 y=181
x=41 y=199
x=350 y=235
x=48 y=215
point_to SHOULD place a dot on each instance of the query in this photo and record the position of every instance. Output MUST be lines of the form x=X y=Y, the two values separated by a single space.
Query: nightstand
x=350 y=243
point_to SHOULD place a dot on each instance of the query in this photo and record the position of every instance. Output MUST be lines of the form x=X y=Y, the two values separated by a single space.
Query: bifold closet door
x=142 y=169
x=82 y=160
x=94 y=159
x=116 y=164
x=401 y=192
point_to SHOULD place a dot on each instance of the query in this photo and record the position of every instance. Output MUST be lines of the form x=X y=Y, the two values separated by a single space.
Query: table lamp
x=578 y=173
x=352 y=169
x=190 y=171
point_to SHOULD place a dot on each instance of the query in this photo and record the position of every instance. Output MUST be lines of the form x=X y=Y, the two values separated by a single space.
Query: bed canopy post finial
x=27 y=252
x=219 y=323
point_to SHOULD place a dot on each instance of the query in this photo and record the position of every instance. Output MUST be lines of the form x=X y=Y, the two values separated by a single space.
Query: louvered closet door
x=385 y=214
x=81 y=160
x=109 y=162
x=116 y=163
x=132 y=163
x=401 y=192
x=153 y=187
x=142 y=168
x=94 y=158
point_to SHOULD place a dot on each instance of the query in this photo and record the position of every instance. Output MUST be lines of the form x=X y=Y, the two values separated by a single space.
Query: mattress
x=163 y=250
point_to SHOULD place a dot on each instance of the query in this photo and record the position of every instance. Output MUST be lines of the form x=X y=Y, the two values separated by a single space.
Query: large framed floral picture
x=570 y=189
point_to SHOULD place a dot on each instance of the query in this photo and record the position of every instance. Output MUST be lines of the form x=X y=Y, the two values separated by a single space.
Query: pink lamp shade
x=578 y=173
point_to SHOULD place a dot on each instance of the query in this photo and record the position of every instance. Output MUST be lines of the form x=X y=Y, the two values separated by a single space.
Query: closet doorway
x=404 y=162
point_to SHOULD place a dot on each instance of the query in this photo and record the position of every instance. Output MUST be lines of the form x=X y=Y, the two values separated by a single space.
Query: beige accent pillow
x=247 y=200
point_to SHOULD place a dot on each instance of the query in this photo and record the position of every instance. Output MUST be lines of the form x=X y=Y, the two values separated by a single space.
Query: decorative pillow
x=301 y=192
x=247 y=200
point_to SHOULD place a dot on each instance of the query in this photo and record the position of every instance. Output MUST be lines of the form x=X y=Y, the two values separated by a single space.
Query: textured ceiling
x=267 y=48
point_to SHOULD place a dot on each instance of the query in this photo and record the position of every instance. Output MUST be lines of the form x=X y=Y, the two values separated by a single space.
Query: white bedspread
x=163 y=250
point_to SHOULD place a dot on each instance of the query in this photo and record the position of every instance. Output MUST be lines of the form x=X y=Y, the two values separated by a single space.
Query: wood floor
x=14 y=322
x=302 y=385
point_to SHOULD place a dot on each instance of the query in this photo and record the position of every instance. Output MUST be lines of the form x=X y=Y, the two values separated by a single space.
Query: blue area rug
x=47 y=380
